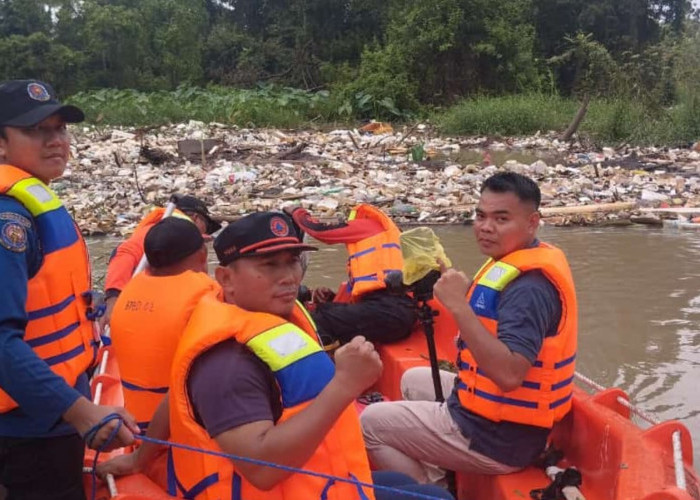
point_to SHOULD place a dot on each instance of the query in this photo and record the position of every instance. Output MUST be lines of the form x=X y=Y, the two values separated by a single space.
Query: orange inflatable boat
x=618 y=460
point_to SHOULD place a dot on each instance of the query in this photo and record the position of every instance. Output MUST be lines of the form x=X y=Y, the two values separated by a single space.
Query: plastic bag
x=421 y=249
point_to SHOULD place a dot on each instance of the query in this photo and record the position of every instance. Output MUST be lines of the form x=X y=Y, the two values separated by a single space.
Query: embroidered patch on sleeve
x=21 y=219
x=13 y=237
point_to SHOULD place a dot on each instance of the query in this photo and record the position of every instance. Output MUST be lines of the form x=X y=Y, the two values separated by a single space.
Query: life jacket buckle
x=95 y=304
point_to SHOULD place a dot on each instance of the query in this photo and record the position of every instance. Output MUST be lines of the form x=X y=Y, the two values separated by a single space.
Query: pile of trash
x=416 y=176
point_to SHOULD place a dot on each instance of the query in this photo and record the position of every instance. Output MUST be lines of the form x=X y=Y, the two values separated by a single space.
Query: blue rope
x=90 y=436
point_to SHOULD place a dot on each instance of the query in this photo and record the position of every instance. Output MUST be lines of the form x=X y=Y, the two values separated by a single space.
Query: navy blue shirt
x=528 y=311
x=229 y=386
x=43 y=397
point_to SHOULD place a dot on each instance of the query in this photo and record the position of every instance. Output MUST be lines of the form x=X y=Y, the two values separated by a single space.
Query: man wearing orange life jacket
x=517 y=347
x=153 y=309
x=47 y=341
x=250 y=379
x=128 y=254
x=376 y=311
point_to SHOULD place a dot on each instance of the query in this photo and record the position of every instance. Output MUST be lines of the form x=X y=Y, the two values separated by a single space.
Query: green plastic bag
x=421 y=249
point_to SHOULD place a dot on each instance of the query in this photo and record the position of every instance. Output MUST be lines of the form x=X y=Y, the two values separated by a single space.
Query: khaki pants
x=418 y=436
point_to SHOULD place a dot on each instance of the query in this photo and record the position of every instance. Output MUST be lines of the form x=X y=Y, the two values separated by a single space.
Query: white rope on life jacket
x=109 y=478
x=111 y=483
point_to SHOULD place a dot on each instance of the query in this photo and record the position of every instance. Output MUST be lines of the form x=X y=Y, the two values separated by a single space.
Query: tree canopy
x=406 y=51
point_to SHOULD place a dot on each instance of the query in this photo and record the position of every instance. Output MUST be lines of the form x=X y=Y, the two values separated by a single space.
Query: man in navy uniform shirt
x=47 y=343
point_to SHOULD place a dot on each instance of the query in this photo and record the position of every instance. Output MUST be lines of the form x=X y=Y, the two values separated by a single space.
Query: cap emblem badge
x=279 y=227
x=38 y=92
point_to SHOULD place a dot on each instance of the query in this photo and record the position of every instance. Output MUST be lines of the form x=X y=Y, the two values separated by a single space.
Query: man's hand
x=84 y=415
x=104 y=319
x=289 y=209
x=452 y=287
x=322 y=294
x=293 y=441
x=122 y=465
x=357 y=366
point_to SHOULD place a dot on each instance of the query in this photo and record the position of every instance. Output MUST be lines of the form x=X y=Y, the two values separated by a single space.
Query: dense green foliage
x=609 y=121
x=238 y=61
x=263 y=106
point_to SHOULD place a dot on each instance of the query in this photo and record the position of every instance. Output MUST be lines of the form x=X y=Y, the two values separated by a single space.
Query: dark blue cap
x=170 y=241
x=24 y=103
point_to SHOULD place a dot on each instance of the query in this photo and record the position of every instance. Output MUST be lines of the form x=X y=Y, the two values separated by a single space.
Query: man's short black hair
x=509 y=182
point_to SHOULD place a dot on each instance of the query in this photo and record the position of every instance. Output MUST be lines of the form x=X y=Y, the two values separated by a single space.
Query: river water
x=639 y=307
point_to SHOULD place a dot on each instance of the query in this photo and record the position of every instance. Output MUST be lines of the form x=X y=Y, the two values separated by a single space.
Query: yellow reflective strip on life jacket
x=499 y=276
x=176 y=213
x=307 y=315
x=484 y=265
x=353 y=214
x=283 y=345
x=36 y=196
x=179 y=215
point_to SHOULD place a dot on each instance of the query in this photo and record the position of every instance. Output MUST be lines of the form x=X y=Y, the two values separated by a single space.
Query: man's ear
x=202 y=257
x=225 y=276
x=222 y=275
x=534 y=222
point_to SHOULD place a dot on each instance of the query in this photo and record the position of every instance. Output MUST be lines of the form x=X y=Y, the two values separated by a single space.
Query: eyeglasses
x=45 y=133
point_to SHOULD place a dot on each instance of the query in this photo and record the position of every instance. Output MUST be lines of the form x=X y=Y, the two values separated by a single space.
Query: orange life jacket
x=370 y=259
x=57 y=329
x=147 y=322
x=154 y=217
x=120 y=269
x=301 y=369
x=545 y=394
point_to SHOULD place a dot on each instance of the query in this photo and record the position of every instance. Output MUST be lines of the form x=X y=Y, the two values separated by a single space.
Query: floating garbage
x=116 y=175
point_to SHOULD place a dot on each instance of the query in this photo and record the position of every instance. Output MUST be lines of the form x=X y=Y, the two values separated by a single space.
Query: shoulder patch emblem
x=13 y=237
x=14 y=217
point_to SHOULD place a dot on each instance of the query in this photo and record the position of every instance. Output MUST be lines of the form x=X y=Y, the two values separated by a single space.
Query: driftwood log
x=589 y=209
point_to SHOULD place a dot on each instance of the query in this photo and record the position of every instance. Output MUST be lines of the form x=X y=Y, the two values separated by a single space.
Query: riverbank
x=612 y=120
x=411 y=172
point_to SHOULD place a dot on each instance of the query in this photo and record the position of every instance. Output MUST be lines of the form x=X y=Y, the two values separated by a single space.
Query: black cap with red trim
x=256 y=234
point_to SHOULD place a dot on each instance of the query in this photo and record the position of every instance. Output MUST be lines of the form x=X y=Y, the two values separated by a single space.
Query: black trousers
x=379 y=316
x=42 y=468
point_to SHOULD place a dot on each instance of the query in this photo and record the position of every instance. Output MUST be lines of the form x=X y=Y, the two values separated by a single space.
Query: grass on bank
x=609 y=121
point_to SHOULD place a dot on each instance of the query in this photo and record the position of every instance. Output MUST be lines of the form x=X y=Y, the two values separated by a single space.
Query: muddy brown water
x=639 y=307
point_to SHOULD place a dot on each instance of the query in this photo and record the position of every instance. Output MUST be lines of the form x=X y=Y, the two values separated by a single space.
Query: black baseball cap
x=187 y=203
x=24 y=103
x=170 y=241
x=256 y=234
